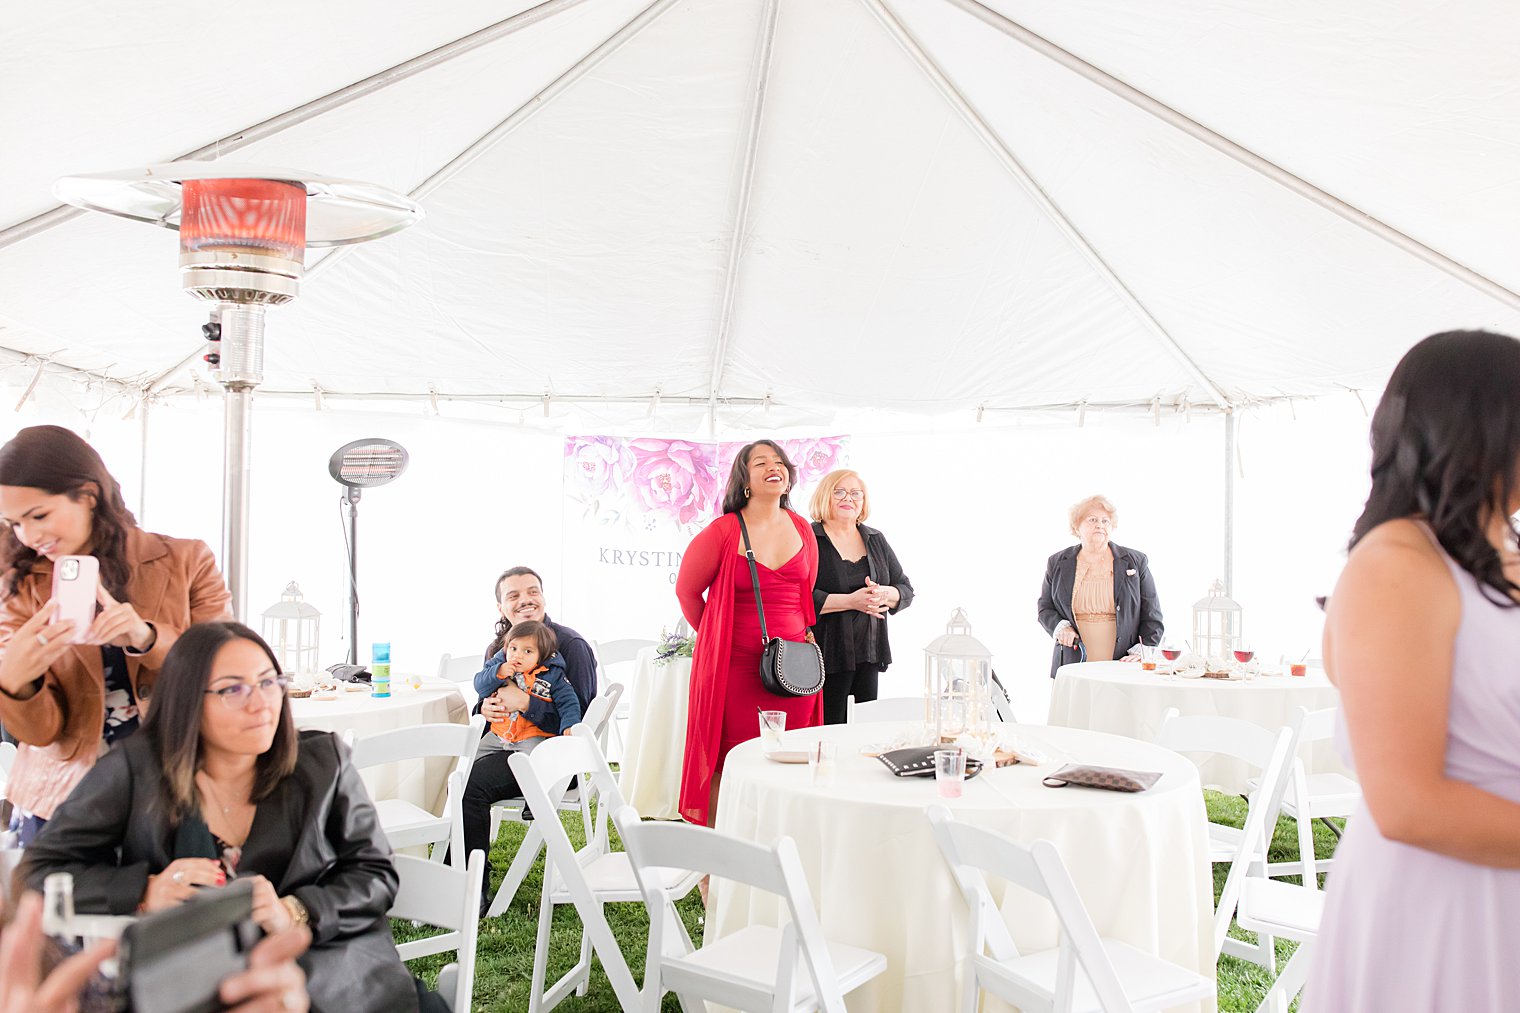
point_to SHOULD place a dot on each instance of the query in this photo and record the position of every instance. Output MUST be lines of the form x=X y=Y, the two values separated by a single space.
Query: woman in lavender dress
x=1423 y=639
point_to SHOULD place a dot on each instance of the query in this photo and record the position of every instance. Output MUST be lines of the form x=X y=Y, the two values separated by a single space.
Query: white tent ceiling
x=834 y=204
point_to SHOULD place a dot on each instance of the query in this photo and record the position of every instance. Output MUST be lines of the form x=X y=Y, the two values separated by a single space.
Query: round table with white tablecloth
x=1120 y=697
x=421 y=782
x=878 y=880
x=651 y=768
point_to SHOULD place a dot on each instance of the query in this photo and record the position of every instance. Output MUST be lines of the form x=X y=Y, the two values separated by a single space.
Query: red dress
x=726 y=694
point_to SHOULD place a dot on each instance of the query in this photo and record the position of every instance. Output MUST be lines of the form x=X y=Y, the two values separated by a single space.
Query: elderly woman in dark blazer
x=219 y=783
x=860 y=583
x=1098 y=593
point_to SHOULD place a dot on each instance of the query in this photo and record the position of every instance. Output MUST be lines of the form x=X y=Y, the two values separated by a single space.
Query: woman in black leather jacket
x=220 y=784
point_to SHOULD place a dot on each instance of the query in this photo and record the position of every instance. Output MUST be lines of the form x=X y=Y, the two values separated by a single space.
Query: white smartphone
x=75 y=583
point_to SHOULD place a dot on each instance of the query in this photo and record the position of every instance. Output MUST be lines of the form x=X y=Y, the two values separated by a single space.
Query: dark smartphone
x=174 y=961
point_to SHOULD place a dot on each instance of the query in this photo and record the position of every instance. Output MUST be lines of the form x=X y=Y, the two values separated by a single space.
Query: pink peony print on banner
x=648 y=483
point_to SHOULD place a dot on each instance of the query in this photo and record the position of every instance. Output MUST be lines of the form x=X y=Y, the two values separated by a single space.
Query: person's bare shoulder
x=1396 y=570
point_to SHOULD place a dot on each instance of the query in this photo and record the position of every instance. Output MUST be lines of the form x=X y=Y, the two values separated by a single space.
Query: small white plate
x=786 y=755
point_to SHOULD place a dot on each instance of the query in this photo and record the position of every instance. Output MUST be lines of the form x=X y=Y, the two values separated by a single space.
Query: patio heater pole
x=235 y=495
x=1229 y=503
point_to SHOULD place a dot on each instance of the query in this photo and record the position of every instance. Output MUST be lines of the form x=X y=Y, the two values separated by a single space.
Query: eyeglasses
x=239 y=694
x=855 y=494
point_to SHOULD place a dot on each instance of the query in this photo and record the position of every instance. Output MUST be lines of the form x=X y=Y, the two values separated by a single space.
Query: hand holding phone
x=76 y=582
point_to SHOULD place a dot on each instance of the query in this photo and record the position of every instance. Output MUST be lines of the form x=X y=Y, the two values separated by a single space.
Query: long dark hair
x=734 y=497
x=59 y=463
x=173 y=724
x=504 y=624
x=1445 y=440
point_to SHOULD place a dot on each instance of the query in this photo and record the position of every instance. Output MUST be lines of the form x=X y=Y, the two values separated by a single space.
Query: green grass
x=504 y=963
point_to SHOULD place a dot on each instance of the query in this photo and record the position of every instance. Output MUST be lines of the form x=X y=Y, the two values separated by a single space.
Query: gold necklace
x=216 y=796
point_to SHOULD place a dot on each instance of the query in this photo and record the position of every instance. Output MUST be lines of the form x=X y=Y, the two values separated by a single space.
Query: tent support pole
x=759 y=82
x=1057 y=217
x=142 y=464
x=517 y=117
x=1230 y=459
x=316 y=107
x=1245 y=156
x=235 y=495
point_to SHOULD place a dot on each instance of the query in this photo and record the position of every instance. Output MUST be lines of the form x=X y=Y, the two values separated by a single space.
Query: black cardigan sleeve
x=83 y=839
x=894 y=573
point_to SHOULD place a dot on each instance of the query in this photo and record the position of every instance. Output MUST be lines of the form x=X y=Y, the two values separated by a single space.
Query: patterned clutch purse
x=918 y=761
x=1108 y=778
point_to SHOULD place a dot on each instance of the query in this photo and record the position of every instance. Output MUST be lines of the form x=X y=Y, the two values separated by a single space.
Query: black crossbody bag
x=787 y=667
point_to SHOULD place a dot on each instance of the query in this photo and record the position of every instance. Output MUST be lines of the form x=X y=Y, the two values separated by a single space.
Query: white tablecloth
x=421 y=782
x=1122 y=698
x=878 y=880
x=651 y=768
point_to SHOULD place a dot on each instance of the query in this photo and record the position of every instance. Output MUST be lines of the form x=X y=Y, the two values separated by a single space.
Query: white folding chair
x=1114 y=977
x=7 y=758
x=618 y=653
x=461 y=669
x=892 y=708
x=406 y=824
x=1324 y=795
x=596 y=719
x=1256 y=746
x=448 y=898
x=1270 y=908
x=1250 y=858
x=1000 y=704
x=759 y=968
x=588 y=878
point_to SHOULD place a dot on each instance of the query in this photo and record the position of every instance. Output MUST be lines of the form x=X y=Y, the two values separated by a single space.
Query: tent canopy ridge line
x=14 y=356
x=1175 y=405
x=760 y=80
x=1000 y=150
x=318 y=106
x=1238 y=152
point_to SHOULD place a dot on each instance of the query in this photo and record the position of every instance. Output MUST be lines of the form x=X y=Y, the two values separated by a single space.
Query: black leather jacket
x=316 y=837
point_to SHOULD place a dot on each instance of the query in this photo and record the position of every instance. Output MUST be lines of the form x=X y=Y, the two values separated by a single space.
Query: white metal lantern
x=291 y=628
x=957 y=683
x=1217 y=623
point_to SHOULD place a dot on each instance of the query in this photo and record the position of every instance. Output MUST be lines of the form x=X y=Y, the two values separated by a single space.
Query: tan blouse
x=1092 y=603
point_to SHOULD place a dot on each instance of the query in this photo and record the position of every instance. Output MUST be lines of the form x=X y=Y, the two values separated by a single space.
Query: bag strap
x=754 y=576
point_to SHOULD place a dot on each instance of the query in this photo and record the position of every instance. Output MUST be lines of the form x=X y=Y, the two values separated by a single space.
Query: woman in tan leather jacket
x=66 y=703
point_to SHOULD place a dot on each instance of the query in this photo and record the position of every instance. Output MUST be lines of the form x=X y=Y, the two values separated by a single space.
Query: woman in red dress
x=718 y=599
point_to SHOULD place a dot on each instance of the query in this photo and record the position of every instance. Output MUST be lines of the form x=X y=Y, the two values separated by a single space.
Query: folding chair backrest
x=459 y=667
x=448 y=898
x=1315 y=726
x=618 y=652
x=776 y=870
x=1209 y=733
x=418 y=742
x=972 y=852
x=599 y=712
x=1000 y=705
x=1256 y=833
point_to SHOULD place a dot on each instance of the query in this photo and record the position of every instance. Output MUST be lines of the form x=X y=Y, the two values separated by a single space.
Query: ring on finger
x=42 y=640
x=178 y=877
x=290 y=1000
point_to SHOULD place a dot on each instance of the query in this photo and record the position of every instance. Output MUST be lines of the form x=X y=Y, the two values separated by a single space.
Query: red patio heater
x=243 y=231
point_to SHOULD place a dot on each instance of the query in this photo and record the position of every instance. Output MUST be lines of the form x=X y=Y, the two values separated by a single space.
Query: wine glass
x=1170 y=651
x=1244 y=652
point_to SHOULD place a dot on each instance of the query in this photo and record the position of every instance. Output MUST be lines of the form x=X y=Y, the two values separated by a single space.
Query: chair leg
x=971 y=989
x=541 y=944
x=1289 y=983
x=1306 y=850
x=522 y=863
x=585 y=961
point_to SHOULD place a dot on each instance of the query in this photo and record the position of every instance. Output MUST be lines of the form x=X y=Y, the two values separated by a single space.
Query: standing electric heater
x=360 y=465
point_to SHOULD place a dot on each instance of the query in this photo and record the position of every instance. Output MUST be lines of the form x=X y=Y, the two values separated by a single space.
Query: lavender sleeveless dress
x=1408 y=929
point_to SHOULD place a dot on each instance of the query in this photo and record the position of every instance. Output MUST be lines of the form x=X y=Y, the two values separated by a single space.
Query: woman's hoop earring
x=746 y=492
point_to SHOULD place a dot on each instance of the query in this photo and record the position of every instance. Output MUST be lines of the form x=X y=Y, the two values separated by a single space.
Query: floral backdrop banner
x=631 y=507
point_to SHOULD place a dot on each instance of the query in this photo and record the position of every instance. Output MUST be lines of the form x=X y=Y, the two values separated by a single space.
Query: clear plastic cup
x=949 y=771
x=823 y=761
x=772 y=724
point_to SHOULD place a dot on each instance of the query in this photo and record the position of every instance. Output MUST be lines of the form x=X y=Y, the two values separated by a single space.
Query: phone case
x=175 y=960
x=75 y=583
